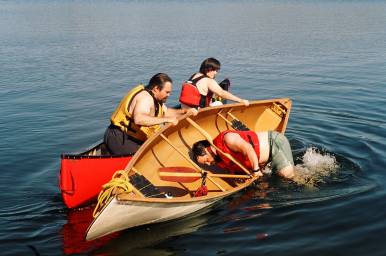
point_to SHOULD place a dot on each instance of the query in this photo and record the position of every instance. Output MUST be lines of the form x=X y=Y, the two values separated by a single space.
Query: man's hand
x=245 y=102
x=192 y=112
x=173 y=121
x=257 y=173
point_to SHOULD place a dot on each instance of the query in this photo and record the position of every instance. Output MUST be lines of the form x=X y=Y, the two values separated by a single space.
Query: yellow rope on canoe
x=120 y=179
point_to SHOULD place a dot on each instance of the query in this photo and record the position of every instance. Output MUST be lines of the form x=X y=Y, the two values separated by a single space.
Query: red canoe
x=78 y=187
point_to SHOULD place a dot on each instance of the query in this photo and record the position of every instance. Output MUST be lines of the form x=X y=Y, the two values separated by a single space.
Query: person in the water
x=251 y=149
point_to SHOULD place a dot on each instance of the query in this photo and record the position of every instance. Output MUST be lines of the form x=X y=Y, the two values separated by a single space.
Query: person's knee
x=287 y=172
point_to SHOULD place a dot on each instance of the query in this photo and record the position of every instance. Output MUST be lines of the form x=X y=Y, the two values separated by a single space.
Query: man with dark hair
x=198 y=91
x=249 y=148
x=140 y=114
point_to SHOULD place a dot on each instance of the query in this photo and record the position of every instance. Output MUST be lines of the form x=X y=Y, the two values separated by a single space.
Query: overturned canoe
x=158 y=197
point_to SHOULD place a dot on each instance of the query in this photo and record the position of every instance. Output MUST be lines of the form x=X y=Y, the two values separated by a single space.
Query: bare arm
x=175 y=112
x=172 y=112
x=142 y=113
x=216 y=88
x=237 y=144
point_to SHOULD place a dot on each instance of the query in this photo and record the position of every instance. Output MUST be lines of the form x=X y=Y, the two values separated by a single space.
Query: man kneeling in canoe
x=140 y=114
x=251 y=149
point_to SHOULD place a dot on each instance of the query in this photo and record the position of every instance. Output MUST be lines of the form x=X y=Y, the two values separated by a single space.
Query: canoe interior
x=157 y=152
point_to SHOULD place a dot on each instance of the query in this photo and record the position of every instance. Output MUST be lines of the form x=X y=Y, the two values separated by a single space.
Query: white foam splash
x=315 y=168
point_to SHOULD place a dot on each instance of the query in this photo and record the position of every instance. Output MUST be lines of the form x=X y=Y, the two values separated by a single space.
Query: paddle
x=190 y=160
x=186 y=174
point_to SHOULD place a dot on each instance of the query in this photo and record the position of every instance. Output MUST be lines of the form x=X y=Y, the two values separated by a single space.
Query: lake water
x=64 y=66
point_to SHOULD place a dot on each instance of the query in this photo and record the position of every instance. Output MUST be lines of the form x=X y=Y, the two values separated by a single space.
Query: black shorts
x=120 y=143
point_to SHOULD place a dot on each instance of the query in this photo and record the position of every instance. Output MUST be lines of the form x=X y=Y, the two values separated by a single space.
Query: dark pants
x=119 y=143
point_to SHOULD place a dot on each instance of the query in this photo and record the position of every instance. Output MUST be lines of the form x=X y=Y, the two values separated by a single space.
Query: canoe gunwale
x=80 y=156
x=84 y=154
x=188 y=200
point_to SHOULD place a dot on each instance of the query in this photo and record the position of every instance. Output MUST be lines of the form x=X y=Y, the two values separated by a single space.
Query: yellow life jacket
x=124 y=120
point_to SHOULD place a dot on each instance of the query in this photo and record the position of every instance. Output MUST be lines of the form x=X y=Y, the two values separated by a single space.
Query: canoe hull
x=127 y=214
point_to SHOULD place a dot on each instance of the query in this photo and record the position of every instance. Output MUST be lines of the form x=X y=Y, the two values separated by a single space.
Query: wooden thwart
x=231 y=115
x=210 y=140
x=235 y=123
x=196 y=174
x=190 y=161
x=225 y=119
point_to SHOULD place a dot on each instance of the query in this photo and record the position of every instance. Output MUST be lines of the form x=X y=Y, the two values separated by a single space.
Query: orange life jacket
x=191 y=96
x=225 y=163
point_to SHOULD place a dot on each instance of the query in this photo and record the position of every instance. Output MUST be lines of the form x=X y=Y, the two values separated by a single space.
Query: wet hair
x=158 y=80
x=210 y=64
x=198 y=148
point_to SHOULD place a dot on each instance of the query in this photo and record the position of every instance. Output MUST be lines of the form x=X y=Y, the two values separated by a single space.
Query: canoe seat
x=150 y=190
x=145 y=186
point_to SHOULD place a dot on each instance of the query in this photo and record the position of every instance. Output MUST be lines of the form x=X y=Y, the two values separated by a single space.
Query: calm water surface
x=64 y=66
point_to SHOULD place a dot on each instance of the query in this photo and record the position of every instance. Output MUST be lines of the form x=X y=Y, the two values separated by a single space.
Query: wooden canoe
x=171 y=147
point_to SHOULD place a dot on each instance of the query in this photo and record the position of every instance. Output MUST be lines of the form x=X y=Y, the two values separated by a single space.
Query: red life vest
x=191 y=96
x=225 y=163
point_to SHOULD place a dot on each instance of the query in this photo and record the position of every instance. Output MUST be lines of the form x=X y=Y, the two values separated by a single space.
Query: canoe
x=156 y=198
x=82 y=175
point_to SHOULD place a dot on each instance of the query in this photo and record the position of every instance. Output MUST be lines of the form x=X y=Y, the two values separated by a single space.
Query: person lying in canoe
x=198 y=91
x=251 y=149
x=140 y=114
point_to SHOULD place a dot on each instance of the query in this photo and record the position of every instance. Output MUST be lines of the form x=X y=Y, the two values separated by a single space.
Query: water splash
x=315 y=168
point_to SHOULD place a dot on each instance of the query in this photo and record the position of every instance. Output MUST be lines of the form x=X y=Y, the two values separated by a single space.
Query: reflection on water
x=134 y=241
x=75 y=229
x=138 y=241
